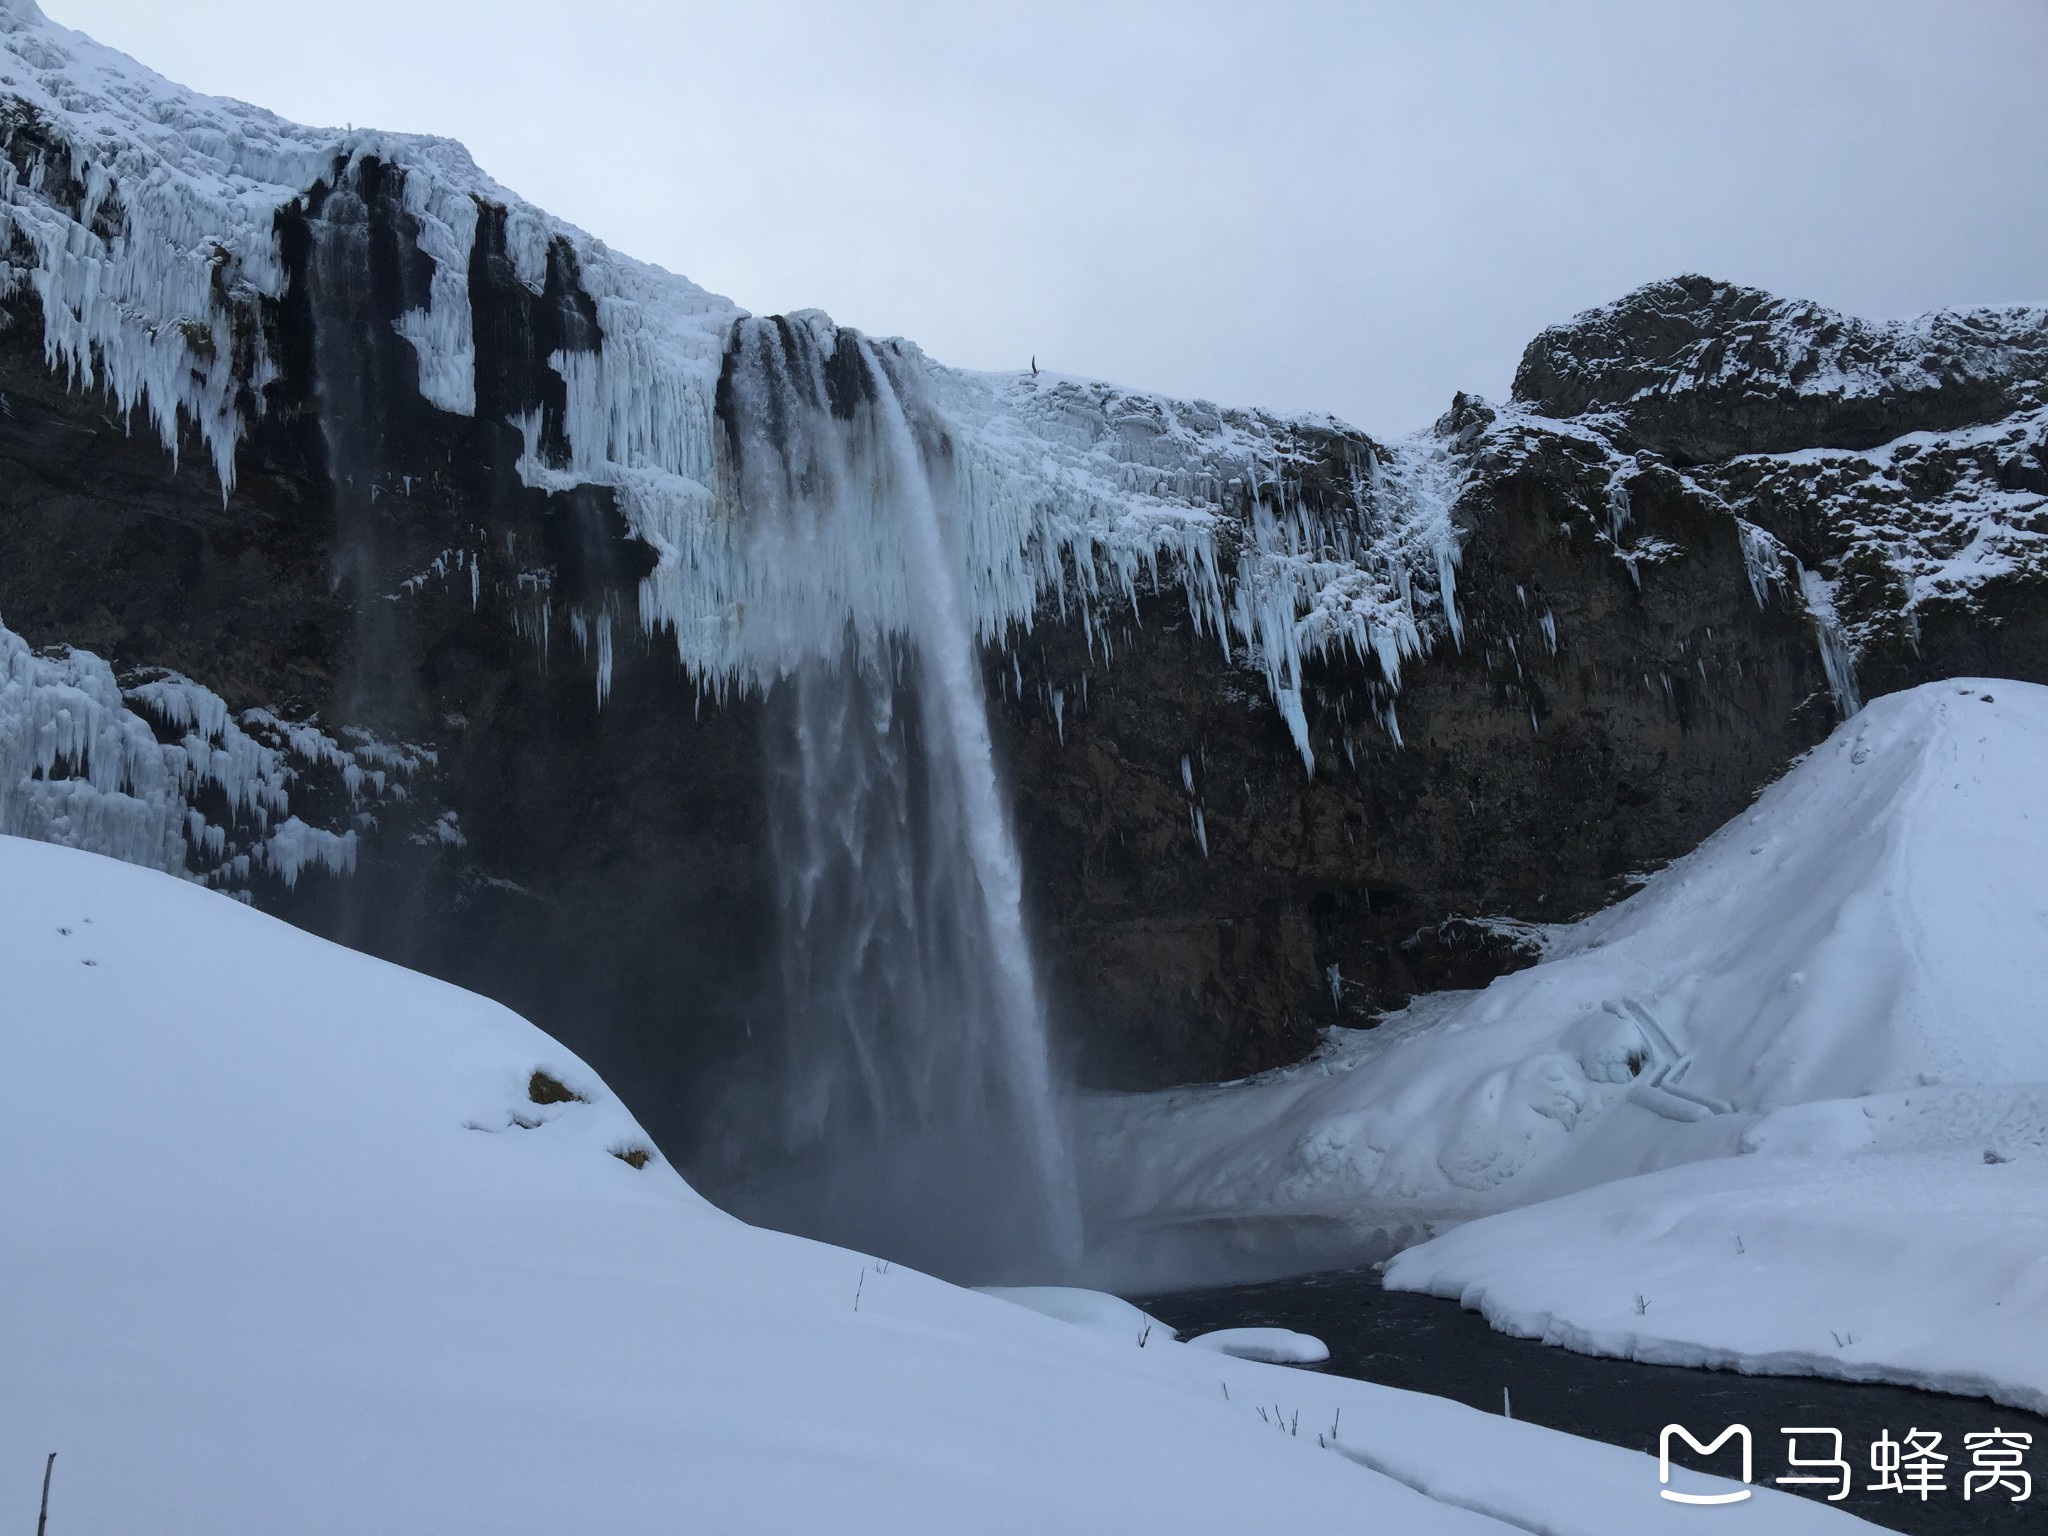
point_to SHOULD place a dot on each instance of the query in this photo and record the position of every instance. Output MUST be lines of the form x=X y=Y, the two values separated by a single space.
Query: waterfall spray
x=913 y=1104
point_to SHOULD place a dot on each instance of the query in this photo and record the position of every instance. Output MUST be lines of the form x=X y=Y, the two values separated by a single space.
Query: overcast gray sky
x=1354 y=208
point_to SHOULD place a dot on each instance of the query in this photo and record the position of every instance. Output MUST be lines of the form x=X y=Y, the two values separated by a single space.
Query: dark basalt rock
x=1530 y=782
x=1618 y=691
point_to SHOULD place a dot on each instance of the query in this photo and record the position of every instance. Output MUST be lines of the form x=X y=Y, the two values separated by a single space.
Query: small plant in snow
x=1642 y=1306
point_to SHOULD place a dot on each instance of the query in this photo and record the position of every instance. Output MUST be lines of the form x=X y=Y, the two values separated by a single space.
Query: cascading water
x=911 y=1111
x=351 y=377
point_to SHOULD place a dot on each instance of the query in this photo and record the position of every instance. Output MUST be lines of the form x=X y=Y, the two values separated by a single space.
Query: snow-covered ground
x=1928 y=1268
x=1838 y=1005
x=293 y=1248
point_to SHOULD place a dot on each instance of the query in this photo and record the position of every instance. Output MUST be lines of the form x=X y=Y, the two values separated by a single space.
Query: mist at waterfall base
x=902 y=1100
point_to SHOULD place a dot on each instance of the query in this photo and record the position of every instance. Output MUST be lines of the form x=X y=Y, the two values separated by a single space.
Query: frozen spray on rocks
x=911 y=1110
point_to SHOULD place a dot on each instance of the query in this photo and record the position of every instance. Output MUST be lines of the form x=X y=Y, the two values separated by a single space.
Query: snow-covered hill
x=1856 y=968
x=302 y=1242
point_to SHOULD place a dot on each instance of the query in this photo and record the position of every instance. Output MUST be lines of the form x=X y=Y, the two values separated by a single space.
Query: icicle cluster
x=82 y=763
x=78 y=767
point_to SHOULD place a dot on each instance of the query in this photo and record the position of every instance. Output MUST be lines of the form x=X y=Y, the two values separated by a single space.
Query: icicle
x=1837 y=653
x=1763 y=560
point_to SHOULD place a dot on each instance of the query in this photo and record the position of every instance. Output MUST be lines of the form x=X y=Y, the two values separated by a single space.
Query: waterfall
x=908 y=1107
x=352 y=380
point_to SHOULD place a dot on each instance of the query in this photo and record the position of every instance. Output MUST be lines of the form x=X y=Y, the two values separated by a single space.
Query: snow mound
x=322 y=1244
x=1925 y=1269
x=1275 y=1346
x=1877 y=923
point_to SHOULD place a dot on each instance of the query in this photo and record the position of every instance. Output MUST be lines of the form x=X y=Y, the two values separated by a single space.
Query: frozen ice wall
x=84 y=762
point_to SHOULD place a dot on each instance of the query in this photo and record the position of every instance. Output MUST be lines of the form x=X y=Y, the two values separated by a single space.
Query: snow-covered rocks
x=1275 y=1346
x=84 y=762
x=1929 y=527
x=1701 y=369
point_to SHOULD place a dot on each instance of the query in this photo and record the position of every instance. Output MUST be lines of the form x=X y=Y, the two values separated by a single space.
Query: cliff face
x=1701 y=371
x=1606 y=706
x=1296 y=722
x=1905 y=463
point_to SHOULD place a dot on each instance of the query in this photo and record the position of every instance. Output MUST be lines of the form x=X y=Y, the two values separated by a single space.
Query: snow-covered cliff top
x=1775 y=374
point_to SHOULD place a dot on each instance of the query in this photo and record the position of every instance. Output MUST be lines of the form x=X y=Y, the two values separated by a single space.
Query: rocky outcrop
x=1699 y=370
x=1903 y=465
x=1297 y=722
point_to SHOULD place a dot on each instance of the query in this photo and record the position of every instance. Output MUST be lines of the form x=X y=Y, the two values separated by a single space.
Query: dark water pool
x=1431 y=1345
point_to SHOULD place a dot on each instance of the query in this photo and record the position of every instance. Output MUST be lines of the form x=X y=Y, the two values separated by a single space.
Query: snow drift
x=1928 y=1268
x=1876 y=925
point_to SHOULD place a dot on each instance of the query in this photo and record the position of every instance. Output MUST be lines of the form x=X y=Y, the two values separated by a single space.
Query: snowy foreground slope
x=292 y=1249
x=1845 y=991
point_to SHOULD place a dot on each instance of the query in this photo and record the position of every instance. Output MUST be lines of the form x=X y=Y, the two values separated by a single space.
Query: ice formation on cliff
x=83 y=763
x=141 y=216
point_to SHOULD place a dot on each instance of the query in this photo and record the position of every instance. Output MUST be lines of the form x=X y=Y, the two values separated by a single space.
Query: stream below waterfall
x=1428 y=1344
